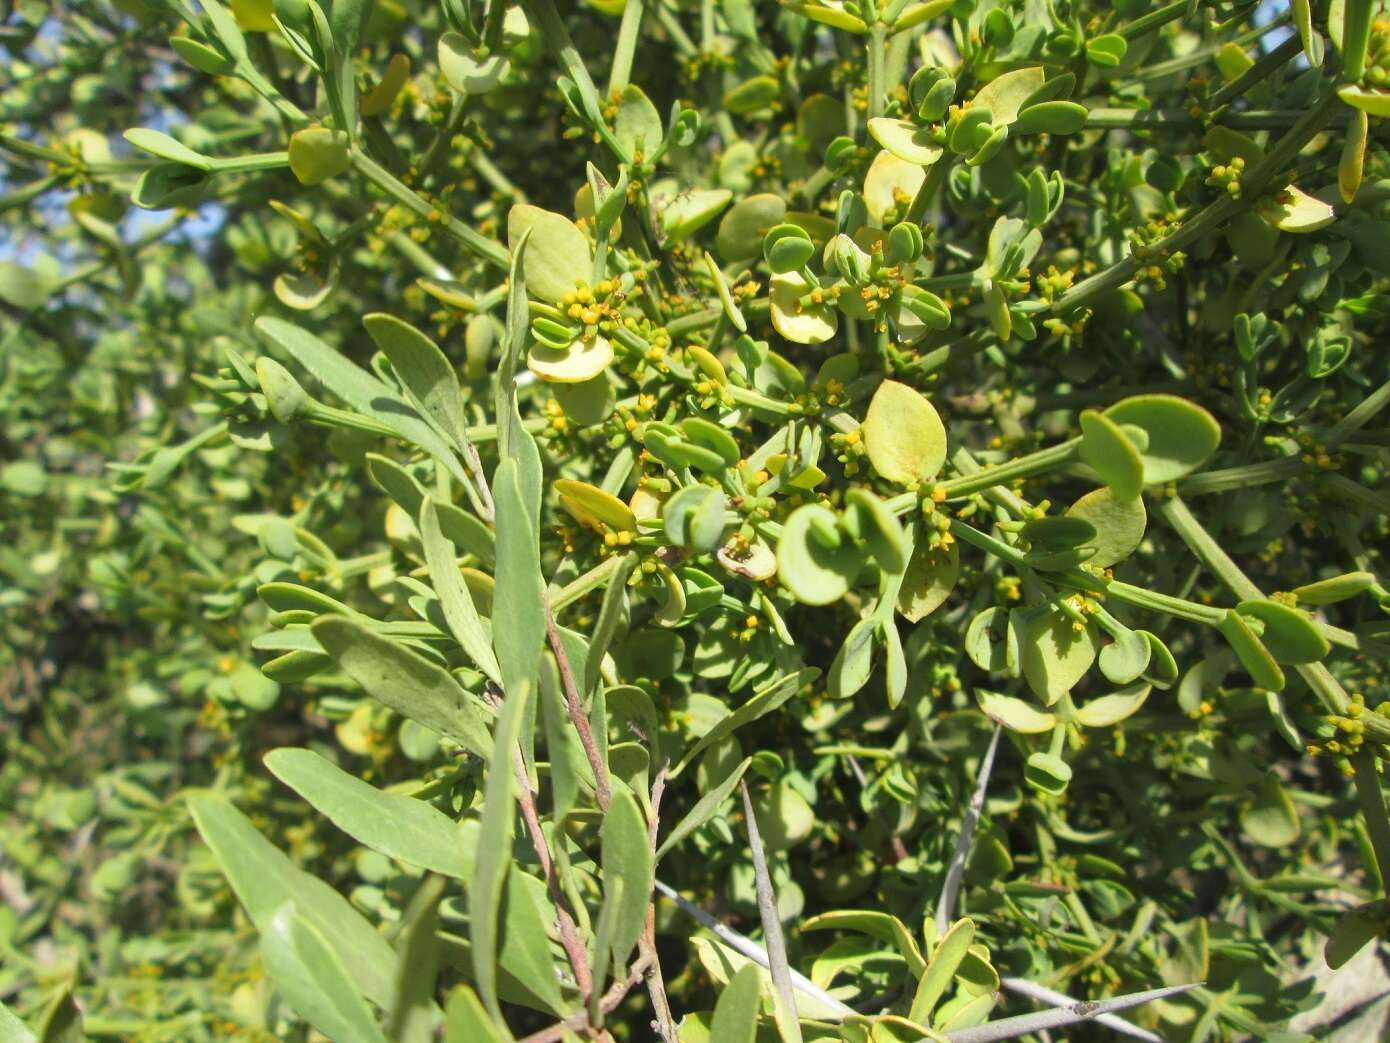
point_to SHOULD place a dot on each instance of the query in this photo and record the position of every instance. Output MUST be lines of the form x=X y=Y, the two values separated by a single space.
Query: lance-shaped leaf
x=264 y=880
x=413 y=1014
x=425 y=371
x=627 y=856
x=311 y=975
x=764 y=702
x=736 y=1014
x=360 y=390
x=468 y=1022
x=941 y=969
x=397 y=826
x=459 y=611
x=705 y=808
x=407 y=683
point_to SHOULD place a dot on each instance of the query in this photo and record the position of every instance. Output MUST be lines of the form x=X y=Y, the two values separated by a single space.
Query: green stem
x=1021 y=467
x=1372 y=799
x=1208 y=551
x=1154 y=20
x=1359 y=417
x=581 y=585
x=1151 y=119
x=877 y=94
x=1232 y=478
x=486 y=249
x=248 y=164
x=1215 y=214
x=926 y=192
x=626 y=47
x=1262 y=69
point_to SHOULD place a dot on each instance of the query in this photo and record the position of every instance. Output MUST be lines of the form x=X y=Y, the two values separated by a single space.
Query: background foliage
x=960 y=424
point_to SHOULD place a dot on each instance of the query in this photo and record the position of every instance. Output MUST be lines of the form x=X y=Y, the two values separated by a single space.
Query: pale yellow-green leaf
x=890 y=183
x=812 y=324
x=557 y=255
x=581 y=361
x=903 y=435
x=1005 y=94
x=906 y=140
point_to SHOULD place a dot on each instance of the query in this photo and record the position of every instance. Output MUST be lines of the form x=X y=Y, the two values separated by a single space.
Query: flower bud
x=904 y=243
x=787 y=248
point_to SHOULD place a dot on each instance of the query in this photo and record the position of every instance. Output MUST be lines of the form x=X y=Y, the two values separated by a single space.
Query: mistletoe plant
x=727 y=468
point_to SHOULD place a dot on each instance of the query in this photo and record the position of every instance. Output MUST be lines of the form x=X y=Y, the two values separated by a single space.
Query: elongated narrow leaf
x=601 y=950
x=413 y=1016
x=414 y=687
x=514 y=441
x=359 y=389
x=498 y=822
x=424 y=370
x=518 y=604
x=459 y=611
x=941 y=969
x=763 y=703
x=12 y=1030
x=705 y=808
x=627 y=855
x=398 y=826
x=312 y=977
x=610 y=616
x=468 y=1022
x=264 y=879
x=736 y=1013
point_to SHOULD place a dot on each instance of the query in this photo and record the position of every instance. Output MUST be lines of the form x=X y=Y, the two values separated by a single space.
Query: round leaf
x=1181 y=435
x=1119 y=524
x=906 y=140
x=930 y=577
x=1015 y=714
x=812 y=324
x=318 y=153
x=903 y=435
x=888 y=179
x=468 y=74
x=581 y=362
x=815 y=573
x=557 y=256
x=1056 y=653
x=1290 y=635
x=1110 y=710
x=1111 y=455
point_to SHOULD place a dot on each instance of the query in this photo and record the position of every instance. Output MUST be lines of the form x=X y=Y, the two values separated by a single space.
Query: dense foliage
x=691 y=519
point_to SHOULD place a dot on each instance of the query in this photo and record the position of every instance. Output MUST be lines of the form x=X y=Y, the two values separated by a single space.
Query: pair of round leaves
x=820 y=555
x=1021 y=716
x=694 y=517
x=1147 y=440
x=318 y=153
x=696 y=442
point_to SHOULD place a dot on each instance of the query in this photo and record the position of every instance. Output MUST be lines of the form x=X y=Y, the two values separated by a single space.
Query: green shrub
x=692 y=520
